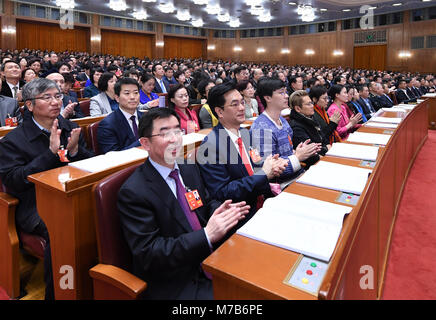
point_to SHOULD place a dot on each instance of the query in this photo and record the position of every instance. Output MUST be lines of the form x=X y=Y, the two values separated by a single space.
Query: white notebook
x=304 y=225
x=381 y=125
x=429 y=95
x=386 y=120
x=110 y=160
x=192 y=138
x=371 y=138
x=336 y=176
x=353 y=151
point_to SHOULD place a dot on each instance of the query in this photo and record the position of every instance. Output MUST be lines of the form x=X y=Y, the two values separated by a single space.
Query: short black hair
x=216 y=98
x=316 y=92
x=8 y=61
x=267 y=86
x=68 y=77
x=334 y=90
x=93 y=71
x=202 y=86
x=146 y=76
x=146 y=122
x=172 y=93
x=120 y=82
x=104 y=79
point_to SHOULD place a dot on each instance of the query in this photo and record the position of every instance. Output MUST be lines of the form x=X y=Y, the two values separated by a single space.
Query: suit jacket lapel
x=124 y=126
x=163 y=192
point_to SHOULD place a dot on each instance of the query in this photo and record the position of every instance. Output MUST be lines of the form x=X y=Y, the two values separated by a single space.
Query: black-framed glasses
x=47 y=98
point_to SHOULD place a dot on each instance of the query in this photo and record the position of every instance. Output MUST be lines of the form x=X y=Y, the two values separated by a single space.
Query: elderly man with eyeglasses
x=43 y=141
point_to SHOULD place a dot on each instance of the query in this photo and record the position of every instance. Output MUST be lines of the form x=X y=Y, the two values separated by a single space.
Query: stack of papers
x=110 y=160
x=405 y=106
x=192 y=138
x=381 y=125
x=336 y=176
x=353 y=151
x=429 y=95
x=393 y=109
x=305 y=225
x=286 y=112
x=386 y=120
x=371 y=138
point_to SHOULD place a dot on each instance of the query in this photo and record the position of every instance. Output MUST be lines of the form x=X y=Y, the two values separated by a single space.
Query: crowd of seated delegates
x=104 y=102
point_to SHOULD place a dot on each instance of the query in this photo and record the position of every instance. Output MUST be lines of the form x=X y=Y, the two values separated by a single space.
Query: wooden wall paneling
x=180 y=47
x=127 y=44
x=46 y=36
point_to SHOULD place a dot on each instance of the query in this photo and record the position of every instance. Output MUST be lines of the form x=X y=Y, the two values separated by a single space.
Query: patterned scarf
x=333 y=137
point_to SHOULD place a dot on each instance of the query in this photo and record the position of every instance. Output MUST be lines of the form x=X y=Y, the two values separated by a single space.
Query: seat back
x=92 y=134
x=84 y=106
x=196 y=108
x=112 y=247
x=393 y=97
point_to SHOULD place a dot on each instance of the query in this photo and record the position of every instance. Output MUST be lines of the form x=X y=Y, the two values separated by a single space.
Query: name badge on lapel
x=194 y=199
x=254 y=155
x=62 y=153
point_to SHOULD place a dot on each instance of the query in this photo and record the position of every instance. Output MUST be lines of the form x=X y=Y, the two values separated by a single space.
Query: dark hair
x=293 y=79
x=239 y=69
x=153 y=69
x=334 y=90
x=360 y=88
x=104 y=79
x=112 y=68
x=130 y=72
x=241 y=86
x=178 y=73
x=59 y=65
x=123 y=81
x=172 y=93
x=32 y=61
x=93 y=71
x=267 y=86
x=146 y=76
x=24 y=72
x=68 y=77
x=146 y=122
x=216 y=98
x=8 y=61
x=202 y=86
x=316 y=92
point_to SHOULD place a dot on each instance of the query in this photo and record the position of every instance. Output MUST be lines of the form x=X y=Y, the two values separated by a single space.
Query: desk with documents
x=243 y=268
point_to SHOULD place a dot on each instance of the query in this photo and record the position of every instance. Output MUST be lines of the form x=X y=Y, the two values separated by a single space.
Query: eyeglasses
x=47 y=98
x=167 y=135
x=237 y=103
x=308 y=103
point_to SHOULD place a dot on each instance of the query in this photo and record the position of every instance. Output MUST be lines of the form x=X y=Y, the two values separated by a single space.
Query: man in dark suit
x=11 y=85
x=364 y=101
x=34 y=147
x=168 y=238
x=229 y=169
x=119 y=130
x=384 y=97
x=8 y=108
x=158 y=73
x=70 y=106
x=402 y=94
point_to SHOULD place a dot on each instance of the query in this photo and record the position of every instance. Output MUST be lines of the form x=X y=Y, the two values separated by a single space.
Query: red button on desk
x=309 y=272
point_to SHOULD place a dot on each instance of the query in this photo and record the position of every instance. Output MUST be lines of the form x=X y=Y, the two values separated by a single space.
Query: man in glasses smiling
x=35 y=146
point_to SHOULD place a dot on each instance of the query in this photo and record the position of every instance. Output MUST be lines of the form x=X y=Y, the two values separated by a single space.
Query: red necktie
x=244 y=158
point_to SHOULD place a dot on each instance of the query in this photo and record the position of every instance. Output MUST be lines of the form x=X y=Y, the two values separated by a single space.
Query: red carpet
x=3 y=295
x=411 y=266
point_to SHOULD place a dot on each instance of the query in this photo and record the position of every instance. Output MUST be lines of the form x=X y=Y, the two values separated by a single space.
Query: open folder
x=336 y=176
x=353 y=151
x=371 y=138
x=305 y=225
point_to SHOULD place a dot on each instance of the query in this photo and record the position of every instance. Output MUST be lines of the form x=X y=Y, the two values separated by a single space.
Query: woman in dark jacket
x=304 y=126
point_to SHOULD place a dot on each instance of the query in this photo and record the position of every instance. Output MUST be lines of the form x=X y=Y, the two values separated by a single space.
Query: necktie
x=360 y=111
x=244 y=158
x=388 y=98
x=164 y=90
x=191 y=216
x=15 y=91
x=371 y=109
x=135 y=127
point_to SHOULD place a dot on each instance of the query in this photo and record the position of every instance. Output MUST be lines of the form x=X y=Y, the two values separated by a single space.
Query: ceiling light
x=404 y=54
x=211 y=47
x=65 y=4
x=256 y=10
x=236 y=48
x=160 y=43
x=201 y=2
x=197 y=23
x=260 y=50
x=148 y=0
x=306 y=12
x=372 y=8
x=338 y=53
x=323 y=10
x=253 y=2
x=234 y=23
x=223 y=17
x=166 y=7
x=284 y=51
x=397 y=4
x=426 y=0
x=346 y=10
x=183 y=15
x=140 y=15
x=213 y=8
x=265 y=17
x=293 y=3
x=117 y=5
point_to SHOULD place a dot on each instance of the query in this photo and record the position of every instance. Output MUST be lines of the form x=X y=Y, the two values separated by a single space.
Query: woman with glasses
x=327 y=124
x=338 y=94
x=246 y=89
x=304 y=126
x=178 y=100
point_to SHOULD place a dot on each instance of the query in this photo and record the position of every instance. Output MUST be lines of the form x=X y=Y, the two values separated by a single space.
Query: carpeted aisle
x=412 y=259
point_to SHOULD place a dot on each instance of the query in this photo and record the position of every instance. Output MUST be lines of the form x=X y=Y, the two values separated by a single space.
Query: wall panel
x=179 y=47
x=44 y=36
x=127 y=44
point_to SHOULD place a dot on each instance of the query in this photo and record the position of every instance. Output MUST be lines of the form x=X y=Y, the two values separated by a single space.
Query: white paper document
x=372 y=138
x=336 y=176
x=429 y=95
x=305 y=225
x=405 y=106
x=192 y=138
x=353 y=151
x=110 y=160
x=393 y=109
x=381 y=125
x=386 y=120
x=286 y=112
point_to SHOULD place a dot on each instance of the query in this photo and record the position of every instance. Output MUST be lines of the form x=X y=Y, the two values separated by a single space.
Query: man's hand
x=73 y=141
x=306 y=149
x=69 y=110
x=224 y=218
x=273 y=166
x=55 y=137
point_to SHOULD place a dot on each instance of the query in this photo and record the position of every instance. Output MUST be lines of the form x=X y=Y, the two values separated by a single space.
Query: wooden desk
x=430 y=103
x=243 y=268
